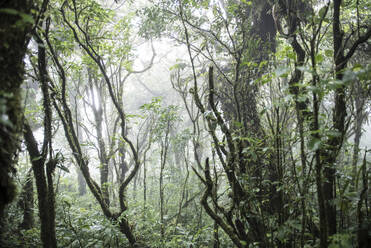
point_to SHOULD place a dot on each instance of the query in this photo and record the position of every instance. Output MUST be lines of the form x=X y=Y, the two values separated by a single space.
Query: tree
x=14 y=31
x=166 y=119
x=84 y=37
x=251 y=147
x=273 y=99
x=17 y=23
x=43 y=169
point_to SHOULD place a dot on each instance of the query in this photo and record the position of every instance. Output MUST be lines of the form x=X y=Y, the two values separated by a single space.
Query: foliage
x=260 y=142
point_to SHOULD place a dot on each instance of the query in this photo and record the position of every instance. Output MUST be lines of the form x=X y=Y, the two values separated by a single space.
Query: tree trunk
x=164 y=151
x=75 y=106
x=359 y=101
x=81 y=182
x=364 y=225
x=43 y=171
x=96 y=95
x=26 y=202
x=339 y=114
x=13 y=44
x=46 y=210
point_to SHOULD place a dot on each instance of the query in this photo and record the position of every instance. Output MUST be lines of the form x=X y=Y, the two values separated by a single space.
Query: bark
x=13 y=43
x=339 y=114
x=27 y=202
x=81 y=182
x=359 y=101
x=364 y=225
x=43 y=171
x=164 y=151
x=46 y=207
x=180 y=208
x=334 y=144
x=144 y=183
x=264 y=29
x=216 y=241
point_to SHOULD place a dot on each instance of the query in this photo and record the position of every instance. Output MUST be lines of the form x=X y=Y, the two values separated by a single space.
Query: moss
x=13 y=42
x=11 y=116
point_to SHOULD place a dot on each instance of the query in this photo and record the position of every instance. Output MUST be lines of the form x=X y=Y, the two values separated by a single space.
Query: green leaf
x=314 y=89
x=246 y=2
x=335 y=84
x=329 y=53
x=319 y=58
x=302 y=98
x=357 y=67
x=295 y=224
x=27 y=18
x=333 y=133
x=238 y=124
x=291 y=55
x=314 y=144
x=9 y=11
x=178 y=66
x=37 y=158
x=322 y=12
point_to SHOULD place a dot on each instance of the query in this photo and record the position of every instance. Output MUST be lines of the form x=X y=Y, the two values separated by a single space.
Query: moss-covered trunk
x=13 y=43
x=45 y=198
x=26 y=203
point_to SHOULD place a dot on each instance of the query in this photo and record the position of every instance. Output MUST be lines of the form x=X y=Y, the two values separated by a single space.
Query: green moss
x=10 y=127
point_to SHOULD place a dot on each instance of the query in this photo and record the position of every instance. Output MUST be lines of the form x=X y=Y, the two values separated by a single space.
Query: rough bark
x=364 y=225
x=27 y=202
x=43 y=169
x=13 y=43
x=335 y=143
x=46 y=207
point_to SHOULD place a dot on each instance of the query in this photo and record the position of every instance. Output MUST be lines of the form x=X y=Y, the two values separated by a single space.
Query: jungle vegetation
x=185 y=123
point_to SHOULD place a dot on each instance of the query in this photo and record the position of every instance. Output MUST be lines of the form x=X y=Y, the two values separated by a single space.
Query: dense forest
x=185 y=123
